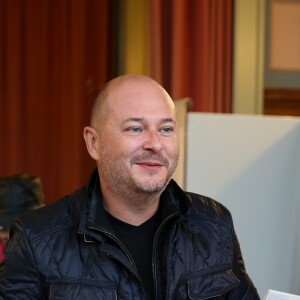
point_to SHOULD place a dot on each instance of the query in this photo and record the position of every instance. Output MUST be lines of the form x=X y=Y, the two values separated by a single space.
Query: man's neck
x=134 y=209
x=131 y=216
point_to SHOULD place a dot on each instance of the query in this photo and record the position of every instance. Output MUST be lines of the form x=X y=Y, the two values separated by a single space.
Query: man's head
x=133 y=136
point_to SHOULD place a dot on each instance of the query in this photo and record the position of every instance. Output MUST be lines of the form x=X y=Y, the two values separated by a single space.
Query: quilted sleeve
x=19 y=277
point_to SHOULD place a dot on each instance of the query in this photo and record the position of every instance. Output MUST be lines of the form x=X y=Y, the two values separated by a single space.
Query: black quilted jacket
x=67 y=250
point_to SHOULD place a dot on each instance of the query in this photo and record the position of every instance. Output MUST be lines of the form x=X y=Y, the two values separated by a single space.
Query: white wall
x=252 y=165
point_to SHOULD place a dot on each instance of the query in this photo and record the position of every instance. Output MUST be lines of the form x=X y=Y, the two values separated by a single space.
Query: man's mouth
x=150 y=165
x=150 y=161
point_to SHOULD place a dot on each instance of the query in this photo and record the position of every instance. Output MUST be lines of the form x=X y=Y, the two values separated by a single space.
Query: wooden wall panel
x=284 y=102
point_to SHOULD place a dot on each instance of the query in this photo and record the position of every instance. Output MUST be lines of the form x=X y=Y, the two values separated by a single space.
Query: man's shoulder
x=199 y=206
x=209 y=208
x=53 y=217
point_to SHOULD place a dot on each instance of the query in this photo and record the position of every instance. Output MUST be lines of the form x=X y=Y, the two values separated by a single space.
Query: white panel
x=252 y=165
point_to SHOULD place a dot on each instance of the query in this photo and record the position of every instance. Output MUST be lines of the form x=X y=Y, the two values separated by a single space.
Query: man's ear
x=91 y=138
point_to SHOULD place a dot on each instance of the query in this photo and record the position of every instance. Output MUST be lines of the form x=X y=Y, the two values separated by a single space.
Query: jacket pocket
x=82 y=290
x=211 y=284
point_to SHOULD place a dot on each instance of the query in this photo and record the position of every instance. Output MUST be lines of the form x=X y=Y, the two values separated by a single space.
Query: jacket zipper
x=119 y=243
x=155 y=251
x=114 y=238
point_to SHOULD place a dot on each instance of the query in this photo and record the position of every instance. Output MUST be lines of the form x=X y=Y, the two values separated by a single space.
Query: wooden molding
x=282 y=102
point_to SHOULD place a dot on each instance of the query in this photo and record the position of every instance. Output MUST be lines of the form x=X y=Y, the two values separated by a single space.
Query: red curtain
x=54 y=58
x=56 y=54
x=190 y=50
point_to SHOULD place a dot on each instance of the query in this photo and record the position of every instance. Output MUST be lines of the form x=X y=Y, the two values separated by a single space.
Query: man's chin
x=151 y=186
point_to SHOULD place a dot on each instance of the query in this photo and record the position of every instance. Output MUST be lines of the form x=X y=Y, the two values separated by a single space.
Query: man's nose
x=153 y=141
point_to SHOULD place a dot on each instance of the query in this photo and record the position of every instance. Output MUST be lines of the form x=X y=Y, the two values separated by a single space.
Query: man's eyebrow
x=165 y=120
x=168 y=120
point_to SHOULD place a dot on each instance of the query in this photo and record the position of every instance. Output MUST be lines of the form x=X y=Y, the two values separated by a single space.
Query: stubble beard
x=130 y=187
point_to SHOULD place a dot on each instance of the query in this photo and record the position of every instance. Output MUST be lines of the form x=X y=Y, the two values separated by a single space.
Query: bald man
x=131 y=233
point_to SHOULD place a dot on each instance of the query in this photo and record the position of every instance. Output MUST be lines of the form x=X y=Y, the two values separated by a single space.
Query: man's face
x=138 y=148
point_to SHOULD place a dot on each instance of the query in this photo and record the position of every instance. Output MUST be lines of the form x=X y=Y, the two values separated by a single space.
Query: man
x=131 y=233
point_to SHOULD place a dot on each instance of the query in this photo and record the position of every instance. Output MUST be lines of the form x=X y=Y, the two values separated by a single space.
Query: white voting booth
x=251 y=164
x=277 y=295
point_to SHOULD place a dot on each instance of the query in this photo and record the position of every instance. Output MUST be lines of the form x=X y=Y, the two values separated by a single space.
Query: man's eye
x=167 y=130
x=135 y=129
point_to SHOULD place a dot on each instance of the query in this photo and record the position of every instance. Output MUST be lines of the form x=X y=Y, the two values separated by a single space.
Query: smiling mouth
x=150 y=161
x=149 y=164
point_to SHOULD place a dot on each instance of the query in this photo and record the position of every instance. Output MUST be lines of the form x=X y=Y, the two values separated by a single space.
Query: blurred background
x=228 y=56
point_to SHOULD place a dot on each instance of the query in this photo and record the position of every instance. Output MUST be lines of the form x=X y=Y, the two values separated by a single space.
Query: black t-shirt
x=139 y=242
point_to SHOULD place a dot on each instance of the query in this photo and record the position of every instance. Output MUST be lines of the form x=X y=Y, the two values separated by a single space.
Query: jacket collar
x=173 y=200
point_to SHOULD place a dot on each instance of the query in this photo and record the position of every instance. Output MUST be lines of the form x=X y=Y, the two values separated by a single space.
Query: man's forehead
x=140 y=105
x=145 y=104
x=136 y=89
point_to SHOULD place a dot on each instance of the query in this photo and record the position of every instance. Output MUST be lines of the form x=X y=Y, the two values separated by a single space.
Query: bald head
x=122 y=86
x=133 y=139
